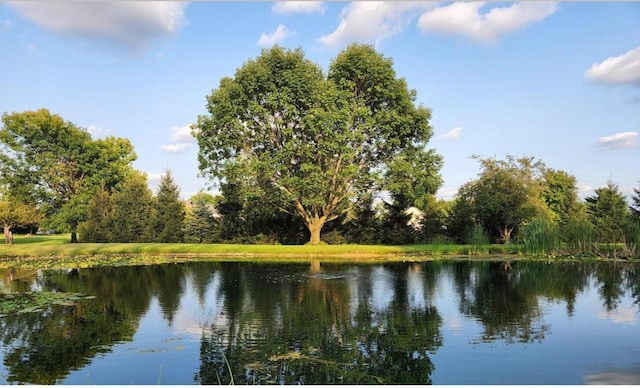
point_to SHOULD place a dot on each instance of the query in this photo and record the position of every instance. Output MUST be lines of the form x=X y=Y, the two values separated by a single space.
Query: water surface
x=320 y=323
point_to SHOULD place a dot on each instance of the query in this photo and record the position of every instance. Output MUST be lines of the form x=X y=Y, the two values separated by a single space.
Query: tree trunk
x=74 y=237
x=506 y=235
x=314 y=228
x=7 y=235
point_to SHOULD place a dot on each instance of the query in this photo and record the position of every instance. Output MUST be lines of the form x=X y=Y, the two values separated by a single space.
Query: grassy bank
x=57 y=249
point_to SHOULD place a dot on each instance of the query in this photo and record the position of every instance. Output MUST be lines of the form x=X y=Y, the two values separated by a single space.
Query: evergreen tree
x=361 y=225
x=132 y=210
x=200 y=224
x=169 y=212
x=635 y=204
x=97 y=227
x=607 y=211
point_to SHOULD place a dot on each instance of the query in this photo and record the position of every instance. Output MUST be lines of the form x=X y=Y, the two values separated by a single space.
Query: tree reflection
x=321 y=330
x=42 y=348
x=316 y=323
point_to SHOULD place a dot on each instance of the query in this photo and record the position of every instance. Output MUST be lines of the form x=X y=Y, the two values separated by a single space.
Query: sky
x=557 y=81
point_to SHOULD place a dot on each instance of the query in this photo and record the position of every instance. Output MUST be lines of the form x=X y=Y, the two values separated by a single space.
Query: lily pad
x=31 y=302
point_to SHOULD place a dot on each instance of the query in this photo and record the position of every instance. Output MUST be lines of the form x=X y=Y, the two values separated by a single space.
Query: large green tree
x=309 y=143
x=506 y=193
x=57 y=166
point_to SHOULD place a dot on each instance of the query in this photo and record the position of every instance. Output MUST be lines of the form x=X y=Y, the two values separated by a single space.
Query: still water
x=319 y=323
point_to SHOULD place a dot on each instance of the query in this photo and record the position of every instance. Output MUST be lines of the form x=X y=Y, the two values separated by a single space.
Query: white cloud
x=452 y=134
x=620 y=315
x=277 y=36
x=373 y=21
x=447 y=193
x=618 y=141
x=175 y=148
x=464 y=18
x=623 y=69
x=182 y=134
x=6 y=24
x=304 y=7
x=96 y=132
x=154 y=178
x=181 y=140
x=131 y=24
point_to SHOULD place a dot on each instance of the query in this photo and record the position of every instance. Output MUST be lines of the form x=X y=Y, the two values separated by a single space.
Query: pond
x=404 y=323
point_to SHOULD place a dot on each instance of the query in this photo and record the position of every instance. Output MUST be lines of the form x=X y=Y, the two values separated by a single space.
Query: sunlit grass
x=56 y=251
x=47 y=246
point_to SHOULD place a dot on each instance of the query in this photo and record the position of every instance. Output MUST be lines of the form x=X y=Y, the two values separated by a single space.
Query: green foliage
x=478 y=238
x=308 y=144
x=168 y=213
x=579 y=236
x=98 y=226
x=14 y=213
x=200 y=224
x=362 y=225
x=56 y=166
x=540 y=237
x=607 y=210
x=132 y=209
x=507 y=193
x=560 y=193
x=635 y=203
x=632 y=238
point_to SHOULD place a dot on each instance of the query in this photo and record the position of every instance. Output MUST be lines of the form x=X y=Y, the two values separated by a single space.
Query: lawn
x=42 y=249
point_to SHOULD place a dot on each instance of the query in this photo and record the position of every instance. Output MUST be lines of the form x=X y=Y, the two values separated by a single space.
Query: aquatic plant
x=632 y=239
x=579 y=237
x=478 y=238
x=540 y=237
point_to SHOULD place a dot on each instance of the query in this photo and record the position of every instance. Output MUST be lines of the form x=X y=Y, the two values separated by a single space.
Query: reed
x=478 y=238
x=632 y=239
x=540 y=237
x=579 y=237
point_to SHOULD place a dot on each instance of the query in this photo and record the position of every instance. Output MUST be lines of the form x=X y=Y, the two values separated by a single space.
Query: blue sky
x=556 y=81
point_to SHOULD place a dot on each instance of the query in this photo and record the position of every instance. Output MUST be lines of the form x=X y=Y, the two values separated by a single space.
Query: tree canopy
x=506 y=193
x=607 y=210
x=56 y=166
x=309 y=143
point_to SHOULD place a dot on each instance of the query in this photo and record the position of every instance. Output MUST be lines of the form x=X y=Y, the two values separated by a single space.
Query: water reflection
x=341 y=325
x=314 y=323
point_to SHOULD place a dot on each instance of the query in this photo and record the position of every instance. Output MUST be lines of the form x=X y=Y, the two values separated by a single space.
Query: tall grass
x=440 y=245
x=632 y=239
x=478 y=238
x=540 y=237
x=579 y=237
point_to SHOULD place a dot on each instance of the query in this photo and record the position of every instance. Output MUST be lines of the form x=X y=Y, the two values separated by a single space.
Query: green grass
x=56 y=251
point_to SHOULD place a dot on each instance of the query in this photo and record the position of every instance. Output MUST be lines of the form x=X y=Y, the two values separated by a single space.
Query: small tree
x=132 y=207
x=169 y=211
x=608 y=212
x=200 y=223
x=15 y=213
x=98 y=224
x=635 y=204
